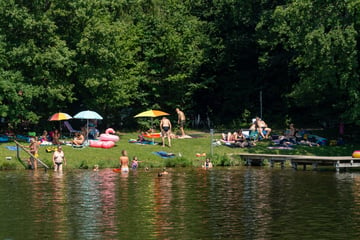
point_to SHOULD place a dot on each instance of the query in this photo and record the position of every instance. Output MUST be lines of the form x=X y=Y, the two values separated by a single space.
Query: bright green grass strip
x=184 y=149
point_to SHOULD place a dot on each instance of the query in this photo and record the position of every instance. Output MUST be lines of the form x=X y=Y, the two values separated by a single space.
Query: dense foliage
x=225 y=61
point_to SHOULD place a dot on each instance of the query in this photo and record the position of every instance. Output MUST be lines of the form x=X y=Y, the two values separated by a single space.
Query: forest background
x=223 y=60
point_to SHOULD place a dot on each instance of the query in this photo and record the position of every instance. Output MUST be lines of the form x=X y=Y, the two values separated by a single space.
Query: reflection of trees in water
x=348 y=189
x=238 y=202
x=85 y=204
x=59 y=203
x=162 y=206
x=107 y=190
x=48 y=204
x=122 y=204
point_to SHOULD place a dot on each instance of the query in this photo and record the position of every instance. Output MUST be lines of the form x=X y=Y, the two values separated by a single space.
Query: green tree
x=321 y=40
x=171 y=41
x=36 y=62
x=107 y=72
x=229 y=70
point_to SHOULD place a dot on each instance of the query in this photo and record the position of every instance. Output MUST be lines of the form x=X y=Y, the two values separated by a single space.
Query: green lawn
x=184 y=149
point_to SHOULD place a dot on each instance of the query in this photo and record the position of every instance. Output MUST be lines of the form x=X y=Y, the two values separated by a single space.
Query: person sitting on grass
x=289 y=137
x=79 y=139
x=56 y=137
x=45 y=137
x=240 y=139
x=262 y=128
x=229 y=137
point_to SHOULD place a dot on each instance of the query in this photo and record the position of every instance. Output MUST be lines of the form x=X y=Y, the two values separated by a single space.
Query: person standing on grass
x=58 y=159
x=181 y=121
x=165 y=128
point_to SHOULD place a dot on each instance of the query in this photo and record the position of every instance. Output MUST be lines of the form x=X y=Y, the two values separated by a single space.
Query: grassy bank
x=185 y=151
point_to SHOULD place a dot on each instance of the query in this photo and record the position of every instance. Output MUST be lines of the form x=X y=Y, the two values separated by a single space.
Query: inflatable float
x=109 y=135
x=356 y=154
x=200 y=155
x=106 y=140
x=152 y=135
x=101 y=144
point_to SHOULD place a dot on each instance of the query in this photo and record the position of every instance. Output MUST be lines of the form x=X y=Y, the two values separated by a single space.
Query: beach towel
x=46 y=143
x=4 y=138
x=281 y=147
x=183 y=137
x=164 y=154
x=11 y=148
x=142 y=142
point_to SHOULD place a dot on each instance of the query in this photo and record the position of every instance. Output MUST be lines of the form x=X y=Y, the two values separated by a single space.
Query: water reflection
x=230 y=203
x=162 y=208
x=106 y=189
x=58 y=203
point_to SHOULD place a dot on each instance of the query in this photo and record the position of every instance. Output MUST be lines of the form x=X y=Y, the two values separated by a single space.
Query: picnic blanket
x=164 y=154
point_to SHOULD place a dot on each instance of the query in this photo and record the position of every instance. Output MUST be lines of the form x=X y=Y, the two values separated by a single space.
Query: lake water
x=223 y=203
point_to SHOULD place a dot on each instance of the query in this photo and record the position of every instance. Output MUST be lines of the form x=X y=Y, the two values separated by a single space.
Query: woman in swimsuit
x=58 y=159
x=124 y=162
x=33 y=148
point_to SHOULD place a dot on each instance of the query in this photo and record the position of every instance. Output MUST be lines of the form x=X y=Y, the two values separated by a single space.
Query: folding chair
x=70 y=128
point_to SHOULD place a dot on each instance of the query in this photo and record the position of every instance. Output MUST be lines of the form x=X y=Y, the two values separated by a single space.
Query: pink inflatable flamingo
x=109 y=135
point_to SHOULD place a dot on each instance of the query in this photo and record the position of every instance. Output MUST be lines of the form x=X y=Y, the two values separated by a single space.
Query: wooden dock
x=295 y=160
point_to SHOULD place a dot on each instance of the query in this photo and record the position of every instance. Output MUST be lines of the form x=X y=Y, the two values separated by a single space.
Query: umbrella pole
x=87 y=130
x=152 y=130
x=60 y=128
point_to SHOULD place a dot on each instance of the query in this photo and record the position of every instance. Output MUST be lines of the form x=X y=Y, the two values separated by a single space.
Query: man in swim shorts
x=124 y=162
x=165 y=127
x=181 y=121
x=58 y=159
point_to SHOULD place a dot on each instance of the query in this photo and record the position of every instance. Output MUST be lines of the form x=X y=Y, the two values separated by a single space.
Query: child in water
x=164 y=172
x=135 y=163
x=96 y=168
x=207 y=164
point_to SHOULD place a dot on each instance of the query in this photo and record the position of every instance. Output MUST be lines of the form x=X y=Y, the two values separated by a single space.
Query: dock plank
x=295 y=160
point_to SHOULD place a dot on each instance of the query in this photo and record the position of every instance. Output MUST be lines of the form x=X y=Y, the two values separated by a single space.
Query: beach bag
x=253 y=135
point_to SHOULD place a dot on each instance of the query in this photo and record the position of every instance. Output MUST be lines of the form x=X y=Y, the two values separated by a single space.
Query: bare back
x=165 y=123
x=181 y=116
x=124 y=161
